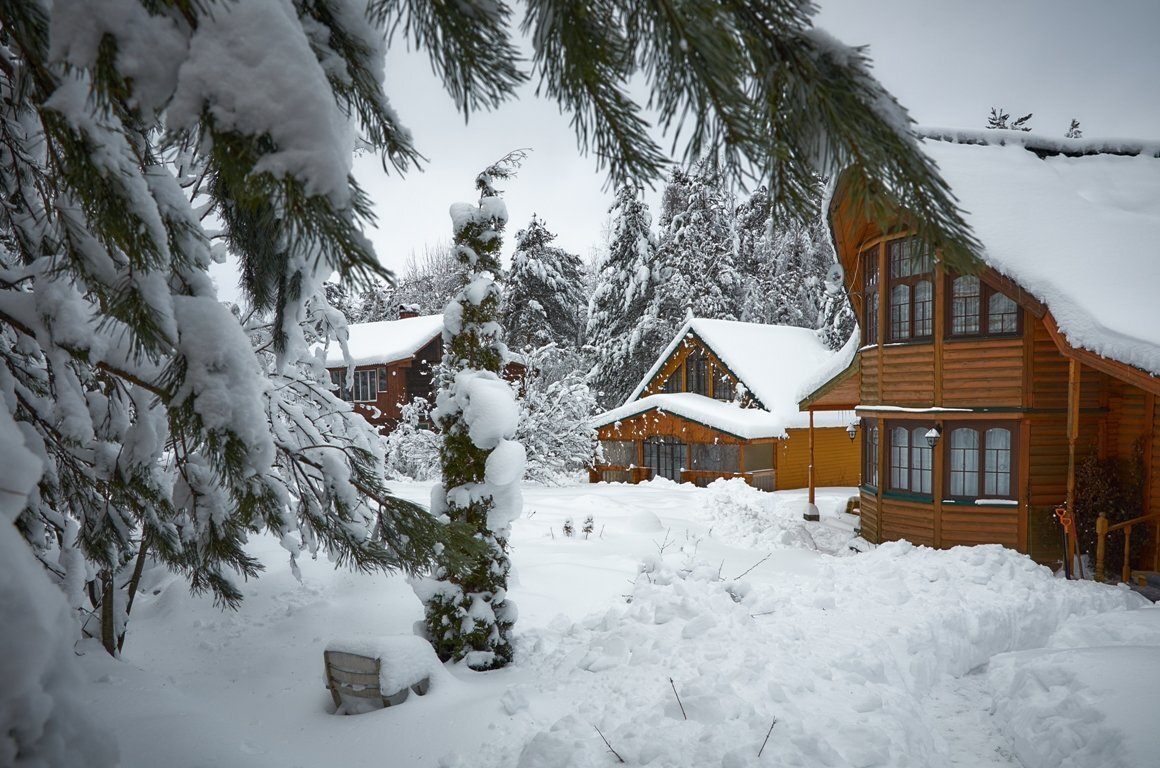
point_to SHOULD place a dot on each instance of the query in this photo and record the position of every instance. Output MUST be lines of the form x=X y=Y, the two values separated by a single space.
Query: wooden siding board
x=836 y=459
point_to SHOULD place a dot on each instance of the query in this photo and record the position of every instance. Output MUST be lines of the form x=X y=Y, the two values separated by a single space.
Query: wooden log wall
x=910 y=520
x=836 y=459
x=869 y=513
x=985 y=372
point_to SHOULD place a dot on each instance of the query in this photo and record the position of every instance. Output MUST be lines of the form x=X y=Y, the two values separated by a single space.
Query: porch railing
x=1102 y=531
x=611 y=473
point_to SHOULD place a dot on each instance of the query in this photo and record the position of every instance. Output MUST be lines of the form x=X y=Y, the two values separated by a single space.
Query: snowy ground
x=784 y=647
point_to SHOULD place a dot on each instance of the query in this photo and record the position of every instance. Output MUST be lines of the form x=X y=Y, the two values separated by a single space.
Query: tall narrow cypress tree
x=468 y=615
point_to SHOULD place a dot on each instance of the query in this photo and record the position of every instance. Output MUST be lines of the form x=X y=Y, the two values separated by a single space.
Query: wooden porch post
x=1074 y=377
x=811 y=512
x=811 y=471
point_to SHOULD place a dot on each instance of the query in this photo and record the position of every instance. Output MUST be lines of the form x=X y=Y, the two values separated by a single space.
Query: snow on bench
x=366 y=674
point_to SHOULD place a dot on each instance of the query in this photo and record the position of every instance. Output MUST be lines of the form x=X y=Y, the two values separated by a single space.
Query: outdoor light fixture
x=852 y=429
x=933 y=434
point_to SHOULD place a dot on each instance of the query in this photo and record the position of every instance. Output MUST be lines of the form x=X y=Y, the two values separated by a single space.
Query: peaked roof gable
x=774 y=363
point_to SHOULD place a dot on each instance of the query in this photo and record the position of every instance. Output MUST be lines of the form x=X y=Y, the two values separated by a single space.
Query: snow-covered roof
x=774 y=362
x=743 y=423
x=386 y=341
x=1076 y=223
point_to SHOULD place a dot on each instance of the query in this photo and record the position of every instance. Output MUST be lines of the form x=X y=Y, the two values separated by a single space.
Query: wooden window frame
x=665 y=451
x=871 y=294
x=697 y=372
x=916 y=446
x=902 y=251
x=724 y=389
x=986 y=293
x=981 y=428
x=365 y=387
x=338 y=380
x=871 y=445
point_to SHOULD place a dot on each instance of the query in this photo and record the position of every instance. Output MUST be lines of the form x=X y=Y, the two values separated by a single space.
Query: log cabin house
x=721 y=402
x=980 y=396
x=393 y=363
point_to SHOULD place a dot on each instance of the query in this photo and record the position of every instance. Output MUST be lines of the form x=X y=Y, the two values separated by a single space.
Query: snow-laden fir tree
x=695 y=269
x=169 y=428
x=468 y=615
x=1074 y=131
x=556 y=409
x=621 y=333
x=544 y=299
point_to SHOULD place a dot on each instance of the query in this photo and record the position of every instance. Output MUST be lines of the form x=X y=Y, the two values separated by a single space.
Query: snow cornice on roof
x=1043 y=146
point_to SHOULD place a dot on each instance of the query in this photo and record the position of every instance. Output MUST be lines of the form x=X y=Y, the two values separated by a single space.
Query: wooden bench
x=355 y=681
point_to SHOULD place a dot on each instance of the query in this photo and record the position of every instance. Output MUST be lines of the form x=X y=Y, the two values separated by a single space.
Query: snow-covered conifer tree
x=556 y=408
x=621 y=332
x=544 y=300
x=169 y=430
x=468 y=615
x=695 y=268
x=1074 y=131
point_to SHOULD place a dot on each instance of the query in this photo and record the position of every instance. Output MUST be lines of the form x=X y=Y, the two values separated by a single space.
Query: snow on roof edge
x=1038 y=143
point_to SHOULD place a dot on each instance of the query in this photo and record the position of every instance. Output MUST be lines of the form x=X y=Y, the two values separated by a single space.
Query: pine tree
x=429 y=281
x=999 y=119
x=621 y=332
x=468 y=615
x=169 y=427
x=144 y=398
x=695 y=269
x=556 y=409
x=1074 y=132
x=544 y=299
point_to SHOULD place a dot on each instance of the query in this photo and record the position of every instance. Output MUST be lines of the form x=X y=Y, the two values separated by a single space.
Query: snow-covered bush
x=556 y=408
x=413 y=447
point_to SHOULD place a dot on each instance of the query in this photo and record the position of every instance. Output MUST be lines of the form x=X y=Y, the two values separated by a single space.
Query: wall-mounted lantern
x=933 y=434
x=852 y=429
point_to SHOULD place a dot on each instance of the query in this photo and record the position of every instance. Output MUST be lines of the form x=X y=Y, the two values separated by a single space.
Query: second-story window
x=697 y=372
x=723 y=388
x=977 y=309
x=911 y=290
x=870 y=296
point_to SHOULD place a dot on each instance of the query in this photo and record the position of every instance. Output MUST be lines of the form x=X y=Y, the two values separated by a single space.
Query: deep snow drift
x=669 y=630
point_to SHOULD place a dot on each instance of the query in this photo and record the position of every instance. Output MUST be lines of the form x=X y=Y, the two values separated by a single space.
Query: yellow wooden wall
x=836 y=459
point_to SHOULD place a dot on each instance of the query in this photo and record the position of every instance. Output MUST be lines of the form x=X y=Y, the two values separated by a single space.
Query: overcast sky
x=947 y=62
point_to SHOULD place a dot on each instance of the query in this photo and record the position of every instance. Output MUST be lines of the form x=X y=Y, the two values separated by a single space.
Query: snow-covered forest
x=191 y=513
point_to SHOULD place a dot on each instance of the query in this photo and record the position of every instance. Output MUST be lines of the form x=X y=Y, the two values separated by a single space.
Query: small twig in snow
x=759 y=562
x=666 y=543
x=679 y=704
x=766 y=737
x=602 y=531
x=613 y=751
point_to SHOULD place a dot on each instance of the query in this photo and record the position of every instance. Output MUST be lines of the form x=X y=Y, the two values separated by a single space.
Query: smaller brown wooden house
x=393 y=364
x=721 y=402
